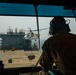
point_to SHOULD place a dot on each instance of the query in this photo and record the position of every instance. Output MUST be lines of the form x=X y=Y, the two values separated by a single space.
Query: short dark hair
x=58 y=23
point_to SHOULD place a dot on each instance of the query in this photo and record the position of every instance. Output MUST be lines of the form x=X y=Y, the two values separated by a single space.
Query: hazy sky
x=21 y=22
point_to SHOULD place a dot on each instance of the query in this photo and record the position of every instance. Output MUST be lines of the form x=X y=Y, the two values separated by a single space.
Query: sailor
x=59 y=49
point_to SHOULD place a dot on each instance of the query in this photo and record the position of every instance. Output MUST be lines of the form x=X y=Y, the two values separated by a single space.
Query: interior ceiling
x=44 y=2
x=56 y=7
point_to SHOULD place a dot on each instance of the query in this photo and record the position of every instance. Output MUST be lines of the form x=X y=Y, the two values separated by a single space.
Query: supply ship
x=14 y=40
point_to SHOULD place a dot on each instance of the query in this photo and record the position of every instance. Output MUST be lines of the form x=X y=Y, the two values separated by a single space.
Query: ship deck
x=19 y=58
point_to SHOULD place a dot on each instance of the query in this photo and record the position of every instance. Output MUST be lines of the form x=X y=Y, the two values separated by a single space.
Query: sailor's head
x=57 y=24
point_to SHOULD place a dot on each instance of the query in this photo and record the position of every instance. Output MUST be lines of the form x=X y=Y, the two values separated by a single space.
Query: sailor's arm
x=46 y=60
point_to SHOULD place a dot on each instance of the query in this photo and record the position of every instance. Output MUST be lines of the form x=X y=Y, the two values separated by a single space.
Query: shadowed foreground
x=20 y=64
